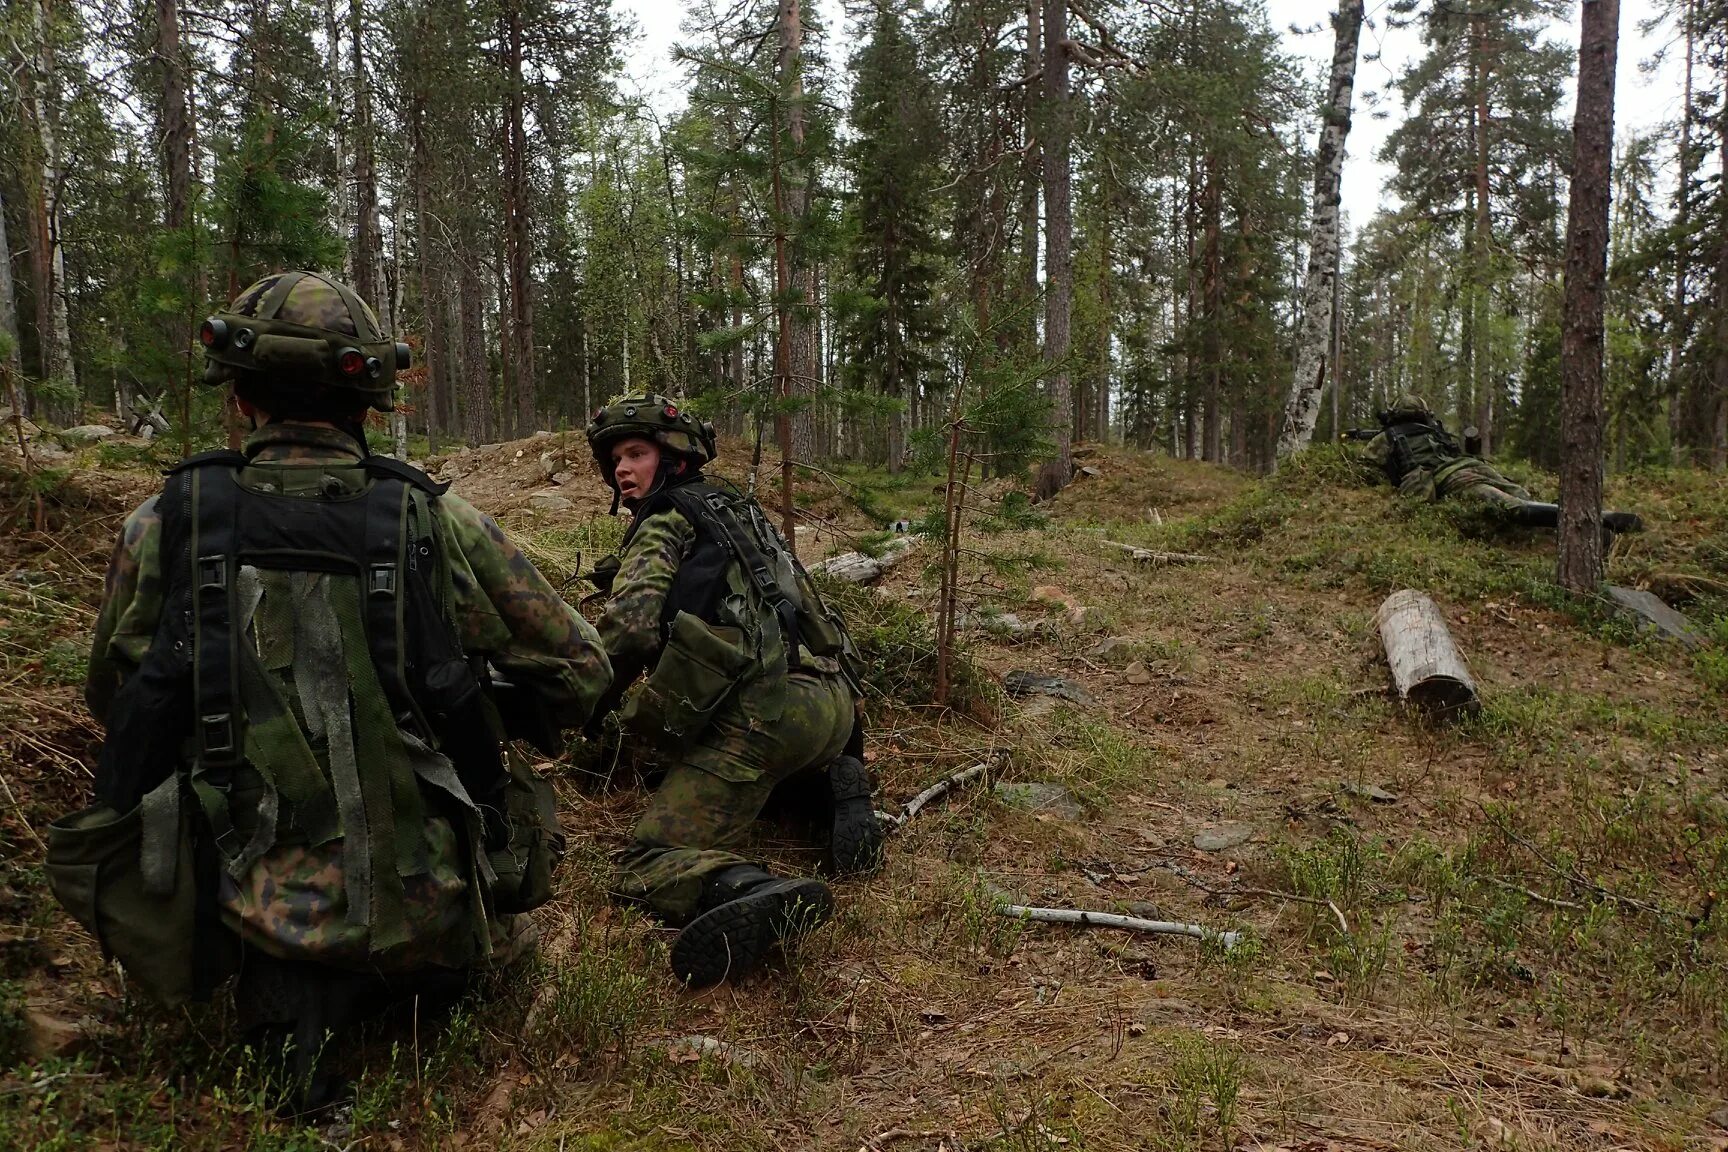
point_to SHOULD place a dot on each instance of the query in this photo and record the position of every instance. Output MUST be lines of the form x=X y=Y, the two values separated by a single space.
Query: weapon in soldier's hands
x=1361 y=433
x=605 y=572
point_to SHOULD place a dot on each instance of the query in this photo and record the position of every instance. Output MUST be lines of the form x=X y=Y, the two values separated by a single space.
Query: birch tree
x=1303 y=408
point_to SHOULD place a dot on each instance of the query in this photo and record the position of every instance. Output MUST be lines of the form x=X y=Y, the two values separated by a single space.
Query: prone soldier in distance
x=304 y=780
x=1417 y=455
x=746 y=687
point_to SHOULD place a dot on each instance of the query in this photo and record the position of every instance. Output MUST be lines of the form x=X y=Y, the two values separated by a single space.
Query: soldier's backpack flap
x=131 y=880
x=522 y=865
x=700 y=667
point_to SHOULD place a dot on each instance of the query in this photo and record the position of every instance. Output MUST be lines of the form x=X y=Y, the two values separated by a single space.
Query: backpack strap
x=703 y=504
x=215 y=456
x=395 y=469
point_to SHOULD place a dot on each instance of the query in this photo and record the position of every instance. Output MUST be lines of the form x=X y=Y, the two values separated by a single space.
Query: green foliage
x=897 y=650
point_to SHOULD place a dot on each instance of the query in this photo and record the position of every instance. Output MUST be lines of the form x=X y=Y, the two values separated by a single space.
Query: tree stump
x=1427 y=668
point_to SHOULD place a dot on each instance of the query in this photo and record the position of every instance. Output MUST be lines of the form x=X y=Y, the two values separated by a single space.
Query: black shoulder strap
x=215 y=456
x=215 y=660
x=379 y=466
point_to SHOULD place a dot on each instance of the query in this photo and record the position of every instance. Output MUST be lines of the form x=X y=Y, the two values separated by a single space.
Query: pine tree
x=889 y=321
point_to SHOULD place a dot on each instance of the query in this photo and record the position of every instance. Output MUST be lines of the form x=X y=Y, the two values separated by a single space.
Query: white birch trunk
x=1427 y=668
x=1303 y=407
x=9 y=354
x=57 y=361
x=339 y=134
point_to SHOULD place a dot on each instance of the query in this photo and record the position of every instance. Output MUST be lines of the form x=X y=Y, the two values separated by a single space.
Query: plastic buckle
x=216 y=734
x=382 y=581
x=212 y=573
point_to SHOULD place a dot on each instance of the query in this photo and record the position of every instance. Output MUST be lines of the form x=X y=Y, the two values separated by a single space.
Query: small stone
x=1137 y=673
x=1109 y=647
x=689 y=1049
x=1224 y=837
x=1023 y=683
x=89 y=433
x=1370 y=792
x=1050 y=594
x=563 y=477
x=49 y=1036
x=1720 y=1117
x=1145 y=909
x=1039 y=796
x=1091 y=472
x=551 y=502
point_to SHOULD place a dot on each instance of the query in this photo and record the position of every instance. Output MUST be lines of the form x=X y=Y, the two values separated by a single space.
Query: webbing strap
x=215 y=675
x=323 y=684
x=384 y=552
x=394 y=811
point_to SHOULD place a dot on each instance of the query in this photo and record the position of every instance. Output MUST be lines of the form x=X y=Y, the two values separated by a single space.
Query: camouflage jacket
x=293 y=893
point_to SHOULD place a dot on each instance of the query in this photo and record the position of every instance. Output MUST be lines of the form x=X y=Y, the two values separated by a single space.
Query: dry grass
x=1517 y=952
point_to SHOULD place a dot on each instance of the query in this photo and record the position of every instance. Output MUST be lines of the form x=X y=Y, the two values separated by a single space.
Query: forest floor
x=1497 y=933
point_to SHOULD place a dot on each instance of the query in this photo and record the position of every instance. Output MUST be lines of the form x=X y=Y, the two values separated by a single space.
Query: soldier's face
x=634 y=463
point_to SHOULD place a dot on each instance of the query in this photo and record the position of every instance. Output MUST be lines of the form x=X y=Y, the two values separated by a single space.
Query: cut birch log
x=1427 y=668
x=857 y=568
x=1086 y=919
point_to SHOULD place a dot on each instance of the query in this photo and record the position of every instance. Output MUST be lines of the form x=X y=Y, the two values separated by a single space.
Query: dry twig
x=1112 y=920
x=935 y=792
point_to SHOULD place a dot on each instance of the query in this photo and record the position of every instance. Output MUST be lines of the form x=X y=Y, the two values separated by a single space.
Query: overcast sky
x=1641 y=101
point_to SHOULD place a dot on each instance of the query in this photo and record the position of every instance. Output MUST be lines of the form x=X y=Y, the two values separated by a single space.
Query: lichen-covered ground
x=1500 y=933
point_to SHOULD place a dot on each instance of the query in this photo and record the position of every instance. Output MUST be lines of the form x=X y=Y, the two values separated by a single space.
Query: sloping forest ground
x=1498 y=934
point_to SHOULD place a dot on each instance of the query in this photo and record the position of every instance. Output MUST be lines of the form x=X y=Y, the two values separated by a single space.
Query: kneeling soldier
x=746 y=688
x=304 y=779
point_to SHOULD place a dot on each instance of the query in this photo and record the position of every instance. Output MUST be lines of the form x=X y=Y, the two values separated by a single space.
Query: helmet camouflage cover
x=653 y=418
x=307 y=333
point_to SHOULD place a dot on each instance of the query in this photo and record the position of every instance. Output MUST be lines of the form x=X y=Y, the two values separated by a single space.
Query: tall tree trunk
x=1580 y=567
x=1303 y=408
x=335 y=75
x=1677 y=326
x=174 y=123
x=368 y=244
x=1482 y=247
x=9 y=354
x=1212 y=315
x=782 y=344
x=477 y=422
x=518 y=250
x=1719 y=416
x=1032 y=174
x=43 y=180
x=795 y=183
x=1056 y=131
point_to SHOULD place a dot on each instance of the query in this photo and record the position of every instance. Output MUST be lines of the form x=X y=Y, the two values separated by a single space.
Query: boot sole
x=731 y=940
x=855 y=845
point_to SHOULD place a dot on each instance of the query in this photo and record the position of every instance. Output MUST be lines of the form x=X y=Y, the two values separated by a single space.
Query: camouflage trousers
x=704 y=807
x=1467 y=477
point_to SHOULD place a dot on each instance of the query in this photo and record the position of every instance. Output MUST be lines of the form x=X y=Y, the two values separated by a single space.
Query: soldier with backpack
x=308 y=660
x=745 y=687
x=1417 y=455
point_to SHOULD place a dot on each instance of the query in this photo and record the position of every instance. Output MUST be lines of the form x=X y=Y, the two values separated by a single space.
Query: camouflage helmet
x=653 y=418
x=310 y=337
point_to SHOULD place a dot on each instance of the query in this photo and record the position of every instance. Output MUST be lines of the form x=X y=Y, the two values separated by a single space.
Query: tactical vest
x=350 y=593
x=1415 y=440
x=732 y=529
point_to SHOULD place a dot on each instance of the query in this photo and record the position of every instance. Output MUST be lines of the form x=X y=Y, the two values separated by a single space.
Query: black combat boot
x=745 y=911
x=288 y=1012
x=856 y=844
x=1622 y=522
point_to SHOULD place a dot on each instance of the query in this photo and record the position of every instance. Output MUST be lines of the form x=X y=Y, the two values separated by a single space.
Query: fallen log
x=1427 y=668
x=1086 y=919
x=858 y=568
